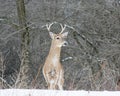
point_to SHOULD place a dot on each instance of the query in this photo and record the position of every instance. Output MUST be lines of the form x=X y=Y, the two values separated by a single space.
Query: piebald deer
x=52 y=70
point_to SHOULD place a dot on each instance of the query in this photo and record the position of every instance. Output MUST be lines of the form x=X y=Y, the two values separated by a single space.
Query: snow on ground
x=30 y=92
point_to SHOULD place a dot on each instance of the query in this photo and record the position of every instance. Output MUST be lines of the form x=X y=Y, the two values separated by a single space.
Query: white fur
x=52 y=81
x=54 y=60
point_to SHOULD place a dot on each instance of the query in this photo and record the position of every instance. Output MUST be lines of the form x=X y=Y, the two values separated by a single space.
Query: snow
x=34 y=92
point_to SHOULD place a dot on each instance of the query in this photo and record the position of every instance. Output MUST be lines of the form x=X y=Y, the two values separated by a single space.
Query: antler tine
x=63 y=28
x=49 y=25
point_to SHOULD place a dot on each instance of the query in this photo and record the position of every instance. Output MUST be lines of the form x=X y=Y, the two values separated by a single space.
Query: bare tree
x=23 y=80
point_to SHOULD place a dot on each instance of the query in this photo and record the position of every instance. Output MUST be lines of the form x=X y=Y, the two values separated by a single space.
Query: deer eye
x=58 y=38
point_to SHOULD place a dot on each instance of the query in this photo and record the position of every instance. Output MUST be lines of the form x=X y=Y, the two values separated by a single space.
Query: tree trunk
x=24 y=74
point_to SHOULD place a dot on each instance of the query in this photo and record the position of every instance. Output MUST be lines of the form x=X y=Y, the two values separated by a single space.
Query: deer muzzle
x=65 y=43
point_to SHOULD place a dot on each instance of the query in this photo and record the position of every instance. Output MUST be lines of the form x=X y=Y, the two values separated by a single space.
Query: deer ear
x=65 y=34
x=51 y=35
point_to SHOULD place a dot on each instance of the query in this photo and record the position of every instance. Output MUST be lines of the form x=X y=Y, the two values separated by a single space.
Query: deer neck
x=55 y=52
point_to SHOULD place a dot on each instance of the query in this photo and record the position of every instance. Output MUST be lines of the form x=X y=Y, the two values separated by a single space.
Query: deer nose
x=65 y=43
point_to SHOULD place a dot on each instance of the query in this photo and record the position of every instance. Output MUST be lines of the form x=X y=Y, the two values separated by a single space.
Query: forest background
x=91 y=60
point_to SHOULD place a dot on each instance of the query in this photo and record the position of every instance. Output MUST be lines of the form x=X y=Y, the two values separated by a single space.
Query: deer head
x=58 y=39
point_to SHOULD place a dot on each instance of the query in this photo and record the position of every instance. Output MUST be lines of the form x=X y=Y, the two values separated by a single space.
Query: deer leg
x=61 y=81
x=45 y=76
x=60 y=84
x=52 y=80
x=52 y=86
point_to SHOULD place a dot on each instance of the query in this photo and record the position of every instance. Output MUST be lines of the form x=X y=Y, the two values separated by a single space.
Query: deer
x=53 y=70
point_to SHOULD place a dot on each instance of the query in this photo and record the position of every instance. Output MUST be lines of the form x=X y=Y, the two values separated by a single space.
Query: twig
x=1 y=61
x=15 y=32
x=6 y=82
x=34 y=80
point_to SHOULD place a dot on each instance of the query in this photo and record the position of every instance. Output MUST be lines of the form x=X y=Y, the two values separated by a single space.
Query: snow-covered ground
x=30 y=92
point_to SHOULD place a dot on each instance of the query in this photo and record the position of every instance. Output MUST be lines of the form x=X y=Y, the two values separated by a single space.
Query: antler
x=63 y=28
x=49 y=25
